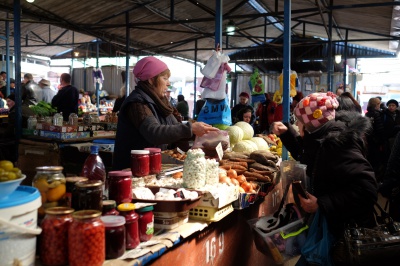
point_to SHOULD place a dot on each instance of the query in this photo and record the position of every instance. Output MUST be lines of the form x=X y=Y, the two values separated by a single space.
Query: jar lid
x=153 y=149
x=86 y=214
x=139 y=152
x=89 y=183
x=145 y=209
x=49 y=168
x=109 y=204
x=120 y=173
x=113 y=220
x=74 y=179
x=126 y=207
x=59 y=210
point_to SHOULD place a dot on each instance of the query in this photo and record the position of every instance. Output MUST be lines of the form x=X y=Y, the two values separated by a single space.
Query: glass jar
x=131 y=224
x=155 y=160
x=50 y=181
x=88 y=195
x=146 y=223
x=115 y=236
x=57 y=119
x=53 y=249
x=73 y=119
x=87 y=119
x=140 y=163
x=32 y=122
x=70 y=184
x=86 y=239
x=194 y=169
x=109 y=207
x=120 y=186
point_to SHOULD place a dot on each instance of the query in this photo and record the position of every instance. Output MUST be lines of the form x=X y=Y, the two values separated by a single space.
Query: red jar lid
x=139 y=152
x=120 y=173
x=153 y=149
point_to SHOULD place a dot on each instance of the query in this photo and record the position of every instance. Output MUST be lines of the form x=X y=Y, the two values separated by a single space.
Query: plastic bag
x=215 y=112
x=212 y=66
x=208 y=142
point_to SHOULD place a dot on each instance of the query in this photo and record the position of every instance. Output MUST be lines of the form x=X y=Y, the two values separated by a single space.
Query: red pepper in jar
x=120 y=186
x=155 y=160
x=86 y=239
x=140 y=163
x=54 y=237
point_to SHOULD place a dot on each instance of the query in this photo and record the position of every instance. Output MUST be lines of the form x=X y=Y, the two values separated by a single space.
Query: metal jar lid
x=50 y=168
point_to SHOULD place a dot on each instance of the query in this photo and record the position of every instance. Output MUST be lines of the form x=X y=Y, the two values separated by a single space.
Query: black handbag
x=374 y=246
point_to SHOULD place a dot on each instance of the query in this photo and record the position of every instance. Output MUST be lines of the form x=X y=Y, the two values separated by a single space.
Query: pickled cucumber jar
x=50 y=181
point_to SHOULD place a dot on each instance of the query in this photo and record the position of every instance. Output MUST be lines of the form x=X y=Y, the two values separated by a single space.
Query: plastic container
x=210 y=214
x=8 y=187
x=94 y=168
x=146 y=223
x=86 y=239
x=18 y=226
x=70 y=185
x=54 y=237
x=110 y=207
x=51 y=184
x=155 y=160
x=131 y=224
x=120 y=186
x=115 y=236
x=140 y=163
x=88 y=195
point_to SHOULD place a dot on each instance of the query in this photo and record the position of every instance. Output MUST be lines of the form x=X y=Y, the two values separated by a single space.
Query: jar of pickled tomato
x=146 y=223
x=53 y=241
x=86 y=239
x=120 y=186
x=140 y=163
x=115 y=236
x=155 y=160
x=131 y=224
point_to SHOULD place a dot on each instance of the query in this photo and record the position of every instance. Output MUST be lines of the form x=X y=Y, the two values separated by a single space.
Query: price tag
x=220 y=151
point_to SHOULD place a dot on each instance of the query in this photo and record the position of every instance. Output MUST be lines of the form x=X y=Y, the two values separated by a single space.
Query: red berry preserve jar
x=155 y=160
x=115 y=236
x=120 y=186
x=140 y=163
x=131 y=224
x=146 y=223
x=54 y=237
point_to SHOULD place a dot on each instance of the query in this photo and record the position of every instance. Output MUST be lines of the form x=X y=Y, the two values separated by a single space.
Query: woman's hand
x=309 y=205
x=201 y=128
x=278 y=128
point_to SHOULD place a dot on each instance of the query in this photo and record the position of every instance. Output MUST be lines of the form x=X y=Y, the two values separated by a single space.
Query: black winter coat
x=341 y=177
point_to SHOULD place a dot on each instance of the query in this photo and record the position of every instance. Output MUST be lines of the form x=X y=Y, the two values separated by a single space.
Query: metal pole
x=195 y=80
x=127 y=55
x=17 y=51
x=218 y=23
x=286 y=66
x=97 y=84
x=8 y=57
x=345 y=62
x=330 y=61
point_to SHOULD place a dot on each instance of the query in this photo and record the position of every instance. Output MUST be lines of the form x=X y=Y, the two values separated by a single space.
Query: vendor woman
x=145 y=118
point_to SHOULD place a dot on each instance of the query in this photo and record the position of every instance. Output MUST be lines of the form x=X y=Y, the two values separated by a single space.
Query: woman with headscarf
x=331 y=144
x=146 y=118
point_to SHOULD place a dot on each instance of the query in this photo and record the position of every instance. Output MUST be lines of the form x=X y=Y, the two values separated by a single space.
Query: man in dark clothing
x=66 y=100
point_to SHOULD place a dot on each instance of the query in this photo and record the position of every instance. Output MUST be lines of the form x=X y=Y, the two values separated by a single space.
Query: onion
x=231 y=173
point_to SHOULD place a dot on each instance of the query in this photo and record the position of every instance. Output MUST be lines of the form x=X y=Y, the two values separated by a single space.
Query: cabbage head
x=245 y=146
x=248 y=131
x=235 y=134
x=261 y=143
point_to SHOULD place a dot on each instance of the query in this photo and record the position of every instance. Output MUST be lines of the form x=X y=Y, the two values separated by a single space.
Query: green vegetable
x=235 y=134
x=43 y=109
x=248 y=131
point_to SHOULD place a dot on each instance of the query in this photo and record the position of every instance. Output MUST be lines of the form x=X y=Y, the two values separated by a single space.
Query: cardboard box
x=59 y=135
x=62 y=129
x=102 y=133
x=30 y=132
x=224 y=198
x=245 y=200
x=170 y=223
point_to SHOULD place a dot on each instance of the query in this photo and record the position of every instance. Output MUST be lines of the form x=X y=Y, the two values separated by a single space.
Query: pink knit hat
x=316 y=109
x=148 y=67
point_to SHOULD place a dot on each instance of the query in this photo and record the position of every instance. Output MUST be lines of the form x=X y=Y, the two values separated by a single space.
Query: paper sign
x=220 y=151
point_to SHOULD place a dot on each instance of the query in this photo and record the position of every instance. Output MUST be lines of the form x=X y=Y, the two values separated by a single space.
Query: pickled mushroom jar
x=53 y=249
x=86 y=239
x=50 y=181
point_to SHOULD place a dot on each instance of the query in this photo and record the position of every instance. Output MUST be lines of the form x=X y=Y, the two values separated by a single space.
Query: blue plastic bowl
x=8 y=187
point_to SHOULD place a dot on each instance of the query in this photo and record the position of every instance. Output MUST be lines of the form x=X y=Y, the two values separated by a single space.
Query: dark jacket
x=237 y=108
x=66 y=101
x=9 y=131
x=341 y=177
x=391 y=122
x=155 y=131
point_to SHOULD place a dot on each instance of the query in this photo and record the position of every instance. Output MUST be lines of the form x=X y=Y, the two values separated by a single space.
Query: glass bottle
x=94 y=168
x=32 y=122
x=50 y=181
x=73 y=119
x=131 y=225
x=88 y=195
x=146 y=223
x=115 y=236
x=86 y=239
x=53 y=249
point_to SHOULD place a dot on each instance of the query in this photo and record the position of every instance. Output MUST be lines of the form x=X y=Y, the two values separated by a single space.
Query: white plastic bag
x=212 y=66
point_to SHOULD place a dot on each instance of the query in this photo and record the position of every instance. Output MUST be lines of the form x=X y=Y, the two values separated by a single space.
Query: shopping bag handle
x=292 y=234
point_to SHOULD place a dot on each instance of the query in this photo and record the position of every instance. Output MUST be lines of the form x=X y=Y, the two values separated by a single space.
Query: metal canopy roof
x=185 y=28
